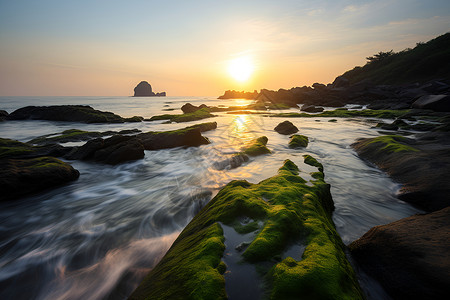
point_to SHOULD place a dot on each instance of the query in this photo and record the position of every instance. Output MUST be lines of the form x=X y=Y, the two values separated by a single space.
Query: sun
x=241 y=68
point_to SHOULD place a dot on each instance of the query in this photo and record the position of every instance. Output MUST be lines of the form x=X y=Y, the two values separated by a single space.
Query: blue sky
x=183 y=47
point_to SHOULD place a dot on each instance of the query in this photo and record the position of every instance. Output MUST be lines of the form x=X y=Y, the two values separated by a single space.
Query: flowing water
x=98 y=236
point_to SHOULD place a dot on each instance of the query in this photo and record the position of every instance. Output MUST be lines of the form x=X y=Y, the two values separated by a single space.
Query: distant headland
x=144 y=89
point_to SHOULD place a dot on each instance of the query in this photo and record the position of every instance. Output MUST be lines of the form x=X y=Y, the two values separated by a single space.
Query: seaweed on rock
x=290 y=210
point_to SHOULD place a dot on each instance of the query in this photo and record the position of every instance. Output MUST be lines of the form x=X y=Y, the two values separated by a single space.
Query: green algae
x=12 y=148
x=345 y=113
x=257 y=147
x=194 y=116
x=290 y=211
x=390 y=144
x=298 y=141
x=309 y=160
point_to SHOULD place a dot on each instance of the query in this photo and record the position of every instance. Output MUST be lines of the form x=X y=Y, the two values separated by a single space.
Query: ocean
x=97 y=237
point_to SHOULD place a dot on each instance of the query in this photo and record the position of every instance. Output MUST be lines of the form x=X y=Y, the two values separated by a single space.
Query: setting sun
x=241 y=68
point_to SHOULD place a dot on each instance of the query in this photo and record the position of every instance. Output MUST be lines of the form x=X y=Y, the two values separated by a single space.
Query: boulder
x=3 y=115
x=15 y=149
x=421 y=166
x=298 y=141
x=114 y=150
x=21 y=177
x=311 y=108
x=434 y=102
x=286 y=128
x=69 y=113
x=409 y=257
x=189 y=108
x=143 y=89
x=186 y=137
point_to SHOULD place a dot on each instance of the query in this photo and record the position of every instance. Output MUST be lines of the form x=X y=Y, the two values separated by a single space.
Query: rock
x=409 y=257
x=3 y=115
x=203 y=127
x=319 y=86
x=237 y=160
x=286 y=128
x=239 y=95
x=256 y=147
x=189 y=108
x=69 y=113
x=143 y=89
x=434 y=102
x=114 y=150
x=186 y=137
x=15 y=149
x=340 y=82
x=311 y=108
x=298 y=141
x=289 y=211
x=21 y=177
x=421 y=166
x=199 y=114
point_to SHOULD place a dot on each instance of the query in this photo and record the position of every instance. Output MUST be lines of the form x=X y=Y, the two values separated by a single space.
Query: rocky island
x=144 y=89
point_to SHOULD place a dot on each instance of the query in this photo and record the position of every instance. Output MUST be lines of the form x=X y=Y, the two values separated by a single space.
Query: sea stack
x=144 y=89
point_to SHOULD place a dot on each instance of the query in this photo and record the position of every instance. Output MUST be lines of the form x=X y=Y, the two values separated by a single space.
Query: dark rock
x=238 y=159
x=186 y=137
x=311 y=108
x=3 y=115
x=434 y=102
x=286 y=128
x=20 y=177
x=421 y=166
x=410 y=257
x=436 y=87
x=134 y=119
x=189 y=108
x=239 y=95
x=15 y=149
x=70 y=113
x=203 y=127
x=319 y=86
x=114 y=150
x=143 y=89
x=340 y=82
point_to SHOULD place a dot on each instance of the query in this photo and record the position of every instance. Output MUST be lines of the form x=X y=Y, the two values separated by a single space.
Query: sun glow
x=241 y=68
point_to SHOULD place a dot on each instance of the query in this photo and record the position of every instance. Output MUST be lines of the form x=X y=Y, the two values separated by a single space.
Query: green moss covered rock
x=187 y=117
x=298 y=141
x=290 y=211
x=257 y=147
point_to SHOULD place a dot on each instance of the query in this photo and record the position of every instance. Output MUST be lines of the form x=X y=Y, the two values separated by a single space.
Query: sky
x=105 y=48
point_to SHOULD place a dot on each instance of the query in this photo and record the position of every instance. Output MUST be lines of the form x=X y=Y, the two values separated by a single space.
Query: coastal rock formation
x=434 y=102
x=239 y=95
x=311 y=108
x=114 y=150
x=70 y=113
x=21 y=177
x=286 y=128
x=420 y=165
x=186 y=137
x=199 y=114
x=144 y=89
x=409 y=257
x=25 y=169
x=76 y=135
x=189 y=108
x=275 y=214
x=3 y=115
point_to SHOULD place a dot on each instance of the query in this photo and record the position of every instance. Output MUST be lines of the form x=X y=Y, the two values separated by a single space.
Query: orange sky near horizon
x=93 y=49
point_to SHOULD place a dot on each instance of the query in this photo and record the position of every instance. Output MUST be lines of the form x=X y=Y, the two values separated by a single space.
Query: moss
x=134 y=119
x=309 y=160
x=344 y=113
x=257 y=147
x=194 y=116
x=298 y=141
x=245 y=228
x=391 y=144
x=291 y=211
x=11 y=148
x=65 y=136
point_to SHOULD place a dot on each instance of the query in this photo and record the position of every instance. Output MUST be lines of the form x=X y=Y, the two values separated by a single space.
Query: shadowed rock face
x=410 y=257
x=70 y=113
x=143 y=89
x=286 y=128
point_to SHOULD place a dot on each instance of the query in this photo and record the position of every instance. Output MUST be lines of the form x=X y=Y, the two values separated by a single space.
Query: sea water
x=98 y=236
